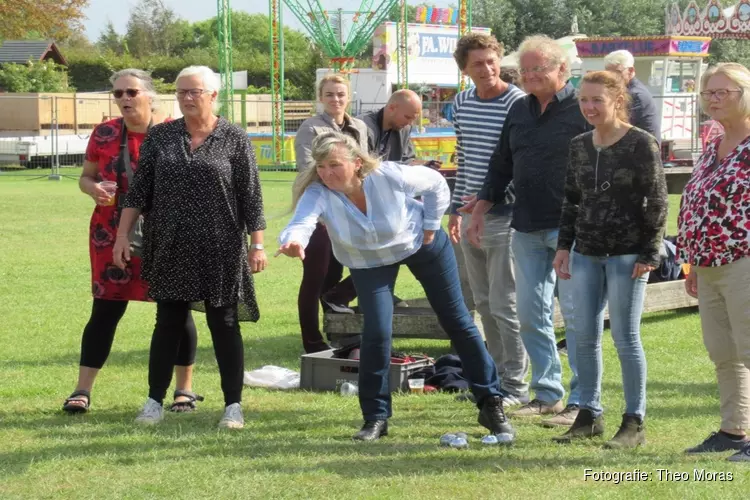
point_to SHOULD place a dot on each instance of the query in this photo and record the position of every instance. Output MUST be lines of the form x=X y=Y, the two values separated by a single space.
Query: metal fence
x=52 y=130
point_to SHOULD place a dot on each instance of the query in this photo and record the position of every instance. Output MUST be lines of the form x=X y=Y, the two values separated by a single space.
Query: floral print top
x=714 y=220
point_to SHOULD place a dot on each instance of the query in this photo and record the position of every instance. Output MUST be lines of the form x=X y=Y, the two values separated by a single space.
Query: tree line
x=159 y=40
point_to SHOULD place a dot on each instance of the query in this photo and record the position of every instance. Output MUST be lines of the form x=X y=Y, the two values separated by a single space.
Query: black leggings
x=165 y=343
x=99 y=334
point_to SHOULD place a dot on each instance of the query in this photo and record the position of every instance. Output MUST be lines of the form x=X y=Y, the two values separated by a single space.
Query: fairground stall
x=669 y=66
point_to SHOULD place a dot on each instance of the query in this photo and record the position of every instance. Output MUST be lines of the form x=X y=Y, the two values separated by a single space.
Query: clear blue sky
x=101 y=11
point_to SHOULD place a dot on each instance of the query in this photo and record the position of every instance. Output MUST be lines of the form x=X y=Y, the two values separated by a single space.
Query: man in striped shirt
x=479 y=114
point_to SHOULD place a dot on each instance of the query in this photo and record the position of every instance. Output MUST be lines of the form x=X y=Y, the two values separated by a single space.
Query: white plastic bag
x=272 y=377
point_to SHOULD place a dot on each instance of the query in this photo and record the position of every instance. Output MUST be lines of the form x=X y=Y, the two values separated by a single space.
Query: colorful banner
x=436 y=15
x=642 y=46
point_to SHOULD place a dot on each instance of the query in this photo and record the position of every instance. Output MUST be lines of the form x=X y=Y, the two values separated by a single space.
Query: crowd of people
x=560 y=192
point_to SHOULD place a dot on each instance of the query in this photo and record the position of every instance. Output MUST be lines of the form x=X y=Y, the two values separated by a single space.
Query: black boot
x=492 y=416
x=631 y=434
x=372 y=430
x=584 y=426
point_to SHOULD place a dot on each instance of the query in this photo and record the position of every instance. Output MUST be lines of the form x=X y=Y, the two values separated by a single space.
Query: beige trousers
x=724 y=304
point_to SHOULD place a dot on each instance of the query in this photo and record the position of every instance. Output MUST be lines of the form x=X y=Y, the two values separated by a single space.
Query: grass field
x=295 y=444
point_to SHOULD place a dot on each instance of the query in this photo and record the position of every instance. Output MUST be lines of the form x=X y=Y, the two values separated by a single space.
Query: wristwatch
x=257 y=246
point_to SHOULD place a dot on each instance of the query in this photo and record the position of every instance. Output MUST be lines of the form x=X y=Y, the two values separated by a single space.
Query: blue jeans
x=596 y=280
x=535 y=289
x=434 y=266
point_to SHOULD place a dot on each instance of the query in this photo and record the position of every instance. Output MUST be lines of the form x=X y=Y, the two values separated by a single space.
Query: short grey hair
x=549 y=49
x=739 y=75
x=147 y=82
x=211 y=80
x=620 y=58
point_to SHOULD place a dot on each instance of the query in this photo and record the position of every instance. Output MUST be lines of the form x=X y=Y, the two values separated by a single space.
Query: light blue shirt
x=390 y=231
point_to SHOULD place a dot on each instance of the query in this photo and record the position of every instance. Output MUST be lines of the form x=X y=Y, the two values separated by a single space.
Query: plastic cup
x=416 y=385
x=111 y=188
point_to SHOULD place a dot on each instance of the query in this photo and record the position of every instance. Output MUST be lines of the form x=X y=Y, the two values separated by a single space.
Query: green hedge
x=91 y=72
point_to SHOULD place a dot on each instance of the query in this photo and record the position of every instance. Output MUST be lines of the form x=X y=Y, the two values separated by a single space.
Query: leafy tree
x=111 y=41
x=56 y=19
x=154 y=28
x=42 y=76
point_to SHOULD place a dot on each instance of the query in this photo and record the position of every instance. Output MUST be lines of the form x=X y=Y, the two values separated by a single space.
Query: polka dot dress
x=199 y=207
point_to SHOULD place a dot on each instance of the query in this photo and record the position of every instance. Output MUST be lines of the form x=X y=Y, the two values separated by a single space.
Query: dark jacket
x=533 y=152
x=389 y=145
x=643 y=112
x=615 y=199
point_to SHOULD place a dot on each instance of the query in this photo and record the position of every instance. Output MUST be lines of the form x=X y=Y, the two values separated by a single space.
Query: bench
x=419 y=321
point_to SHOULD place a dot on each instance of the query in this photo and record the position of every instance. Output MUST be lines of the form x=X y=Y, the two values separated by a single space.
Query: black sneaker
x=492 y=416
x=718 y=442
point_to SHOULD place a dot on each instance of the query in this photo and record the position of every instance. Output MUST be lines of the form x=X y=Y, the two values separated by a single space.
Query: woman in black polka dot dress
x=197 y=181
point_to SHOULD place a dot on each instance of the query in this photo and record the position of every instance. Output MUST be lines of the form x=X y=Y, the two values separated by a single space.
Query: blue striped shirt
x=392 y=229
x=478 y=124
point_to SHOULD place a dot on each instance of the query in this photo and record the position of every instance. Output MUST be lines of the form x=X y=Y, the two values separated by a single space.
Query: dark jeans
x=434 y=266
x=227 y=340
x=99 y=334
x=321 y=274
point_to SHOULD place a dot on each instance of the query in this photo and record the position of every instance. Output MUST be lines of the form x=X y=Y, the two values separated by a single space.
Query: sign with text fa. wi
x=434 y=45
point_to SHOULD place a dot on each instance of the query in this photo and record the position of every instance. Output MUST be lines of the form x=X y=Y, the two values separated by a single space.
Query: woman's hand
x=641 y=269
x=257 y=260
x=429 y=237
x=100 y=195
x=561 y=264
x=121 y=251
x=691 y=284
x=291 y=249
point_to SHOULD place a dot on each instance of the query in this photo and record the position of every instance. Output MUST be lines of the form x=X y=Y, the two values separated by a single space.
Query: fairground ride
x=328 y=36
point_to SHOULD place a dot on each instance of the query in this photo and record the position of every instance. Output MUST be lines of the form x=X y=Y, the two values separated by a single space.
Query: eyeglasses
x=537 y=69
x=193 y=93
x=118 y=93
x=720 y=94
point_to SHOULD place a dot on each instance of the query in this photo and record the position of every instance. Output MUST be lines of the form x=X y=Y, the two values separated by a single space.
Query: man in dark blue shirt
x=643 y=111
x=533 y=154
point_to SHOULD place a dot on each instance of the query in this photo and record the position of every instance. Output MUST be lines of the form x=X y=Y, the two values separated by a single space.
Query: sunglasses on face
x=118 y=93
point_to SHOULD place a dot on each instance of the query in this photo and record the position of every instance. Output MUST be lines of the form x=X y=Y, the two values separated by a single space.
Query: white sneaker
x=151 y=414
x=232 y=418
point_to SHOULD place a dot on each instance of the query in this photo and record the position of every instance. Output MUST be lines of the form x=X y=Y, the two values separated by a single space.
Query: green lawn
x=295 y=445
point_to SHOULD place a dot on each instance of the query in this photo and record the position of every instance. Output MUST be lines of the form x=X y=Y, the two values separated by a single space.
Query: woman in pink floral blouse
x=714 y=239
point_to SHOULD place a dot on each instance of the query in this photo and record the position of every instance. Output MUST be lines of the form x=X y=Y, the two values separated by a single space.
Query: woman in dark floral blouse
x=714 y=238
x=613 y=218
x=111 y=286
x=198 y=180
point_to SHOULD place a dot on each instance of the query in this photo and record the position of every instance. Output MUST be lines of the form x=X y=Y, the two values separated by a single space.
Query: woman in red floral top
x=113 y=287
x=714 y=238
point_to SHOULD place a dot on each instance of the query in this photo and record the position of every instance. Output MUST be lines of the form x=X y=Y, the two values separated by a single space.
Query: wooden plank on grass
x=419 y=321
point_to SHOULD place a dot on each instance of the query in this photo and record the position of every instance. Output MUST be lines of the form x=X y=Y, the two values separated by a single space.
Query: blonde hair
x=334 y=78
x=549 y=49
x=614 y=84
x=322 y=148
x=739 y=75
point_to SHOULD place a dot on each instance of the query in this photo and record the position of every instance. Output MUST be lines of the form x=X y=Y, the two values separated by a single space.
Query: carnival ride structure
x=339 y=49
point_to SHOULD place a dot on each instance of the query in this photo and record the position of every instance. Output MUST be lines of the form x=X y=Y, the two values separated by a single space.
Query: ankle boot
x=372 y=430
x=631 y=434
x=584 y=426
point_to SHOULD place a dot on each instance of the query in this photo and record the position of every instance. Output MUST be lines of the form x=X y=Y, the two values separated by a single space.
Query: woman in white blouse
x=375 y=225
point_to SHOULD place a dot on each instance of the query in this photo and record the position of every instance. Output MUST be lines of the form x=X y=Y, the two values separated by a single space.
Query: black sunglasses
x=131 y=92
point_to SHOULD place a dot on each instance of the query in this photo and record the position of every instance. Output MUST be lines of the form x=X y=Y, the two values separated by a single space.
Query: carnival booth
x=670 y=66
